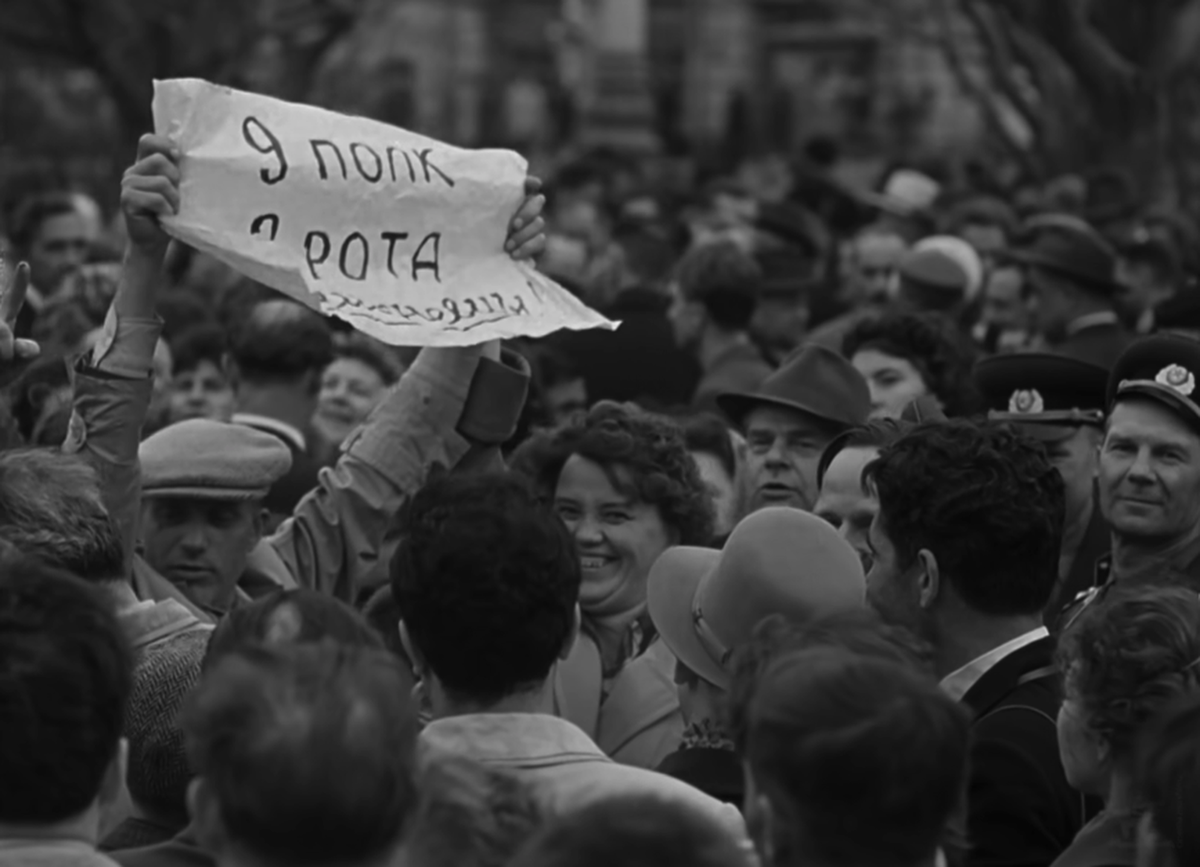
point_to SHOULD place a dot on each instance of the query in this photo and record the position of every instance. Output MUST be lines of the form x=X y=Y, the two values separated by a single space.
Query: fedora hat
x=706 y=603
x=816 y=381
x=1079 y=255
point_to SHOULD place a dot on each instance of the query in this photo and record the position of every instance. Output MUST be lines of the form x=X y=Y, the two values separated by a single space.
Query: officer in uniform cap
x=1060 y=402
x=203 y=485
x=1149 y=480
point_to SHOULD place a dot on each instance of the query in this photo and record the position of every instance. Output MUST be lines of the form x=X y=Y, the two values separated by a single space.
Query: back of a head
x=305 y=755
x=725 y=280
x=64 y=684
x=1127 y=657
x=487 y=580
x=985 y=501
x=290 y=617
x=282 y=341
x=50 y=507
x=860 y=631
x=197 y=344
x=470 y=815
x=642 y=831
x=1168 y=774
x=860 y=760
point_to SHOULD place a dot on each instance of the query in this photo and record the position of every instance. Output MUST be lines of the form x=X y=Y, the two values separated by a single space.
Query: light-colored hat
x=212 y=460
x=963 y=254
x=706 y=603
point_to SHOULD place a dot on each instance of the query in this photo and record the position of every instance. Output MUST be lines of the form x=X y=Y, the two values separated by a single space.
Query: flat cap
x=212 y=460
x=1161 y=368
x=1037 y=388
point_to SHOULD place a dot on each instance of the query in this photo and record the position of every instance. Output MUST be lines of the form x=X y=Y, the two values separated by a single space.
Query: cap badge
x=1178 y=379
x=1026 y=401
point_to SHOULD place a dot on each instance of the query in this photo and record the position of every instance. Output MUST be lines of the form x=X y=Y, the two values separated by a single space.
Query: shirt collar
x=957 y=683
x=273 y=425
x=1091 y=320
x=511 y=739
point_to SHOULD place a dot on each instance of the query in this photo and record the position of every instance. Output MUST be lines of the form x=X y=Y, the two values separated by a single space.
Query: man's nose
x=193 y=540
x=1141 y=470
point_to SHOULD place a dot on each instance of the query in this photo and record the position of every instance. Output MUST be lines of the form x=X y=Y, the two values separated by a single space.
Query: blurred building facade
x=653 y=74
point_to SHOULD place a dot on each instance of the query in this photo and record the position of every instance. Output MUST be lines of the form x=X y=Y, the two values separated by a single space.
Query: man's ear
x=205 y=814
x=569 y=645
x=420 y=667
x=259 y=520
x=113 y=784
x=761 y=822
x=928 y=580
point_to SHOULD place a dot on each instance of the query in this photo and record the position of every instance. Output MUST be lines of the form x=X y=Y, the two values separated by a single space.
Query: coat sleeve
x=112 y=396
x=337 y=540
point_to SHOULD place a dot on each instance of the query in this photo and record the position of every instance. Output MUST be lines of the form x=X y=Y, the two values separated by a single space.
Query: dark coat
x=1096 y=544
x=715 y=772
x=1021 y=810
x=638 y=362
x=180 y=851
x=1100 y=344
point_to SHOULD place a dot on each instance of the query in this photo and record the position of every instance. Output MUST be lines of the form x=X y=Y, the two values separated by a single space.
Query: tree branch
x=979 y=95
x=1001 y=62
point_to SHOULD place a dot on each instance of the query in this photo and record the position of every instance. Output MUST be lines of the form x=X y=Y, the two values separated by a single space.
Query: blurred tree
x=1090 y=83
x=129 y=43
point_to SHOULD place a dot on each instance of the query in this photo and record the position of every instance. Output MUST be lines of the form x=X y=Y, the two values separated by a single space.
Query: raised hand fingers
x=13 y=298
x=154 y=194
x=151 y=144
x=527 y=234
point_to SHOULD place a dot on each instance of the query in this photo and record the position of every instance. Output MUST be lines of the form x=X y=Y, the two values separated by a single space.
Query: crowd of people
x=871 y=538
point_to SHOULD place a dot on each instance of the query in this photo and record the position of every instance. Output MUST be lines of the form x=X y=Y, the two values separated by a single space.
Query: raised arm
x=450 y=402
x=113 y=381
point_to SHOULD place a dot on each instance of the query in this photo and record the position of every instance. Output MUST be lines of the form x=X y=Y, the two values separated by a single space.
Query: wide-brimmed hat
x=816 y=381
x=706 y=603
x=1162 y=368
x=1079 y=255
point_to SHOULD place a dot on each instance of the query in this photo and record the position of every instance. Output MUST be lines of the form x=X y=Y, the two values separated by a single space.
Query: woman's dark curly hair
x=930 y=343
x=1130 y=656
x=650 y=448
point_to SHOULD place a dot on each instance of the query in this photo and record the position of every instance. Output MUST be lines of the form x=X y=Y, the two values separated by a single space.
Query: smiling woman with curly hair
x=627 y=488
x=905 y=356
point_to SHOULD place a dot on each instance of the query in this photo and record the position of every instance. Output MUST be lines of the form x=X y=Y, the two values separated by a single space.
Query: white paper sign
x=400 y=235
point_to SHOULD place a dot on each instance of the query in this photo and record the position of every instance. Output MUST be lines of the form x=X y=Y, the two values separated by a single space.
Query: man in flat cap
x=1149 y=480
x=450 y=403
x=1059 y=402
x=1071 y=281
x=790 y=419
x=204 y=484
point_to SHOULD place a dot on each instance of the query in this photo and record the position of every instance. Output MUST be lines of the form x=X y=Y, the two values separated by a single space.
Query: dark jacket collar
x=1036 y=658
